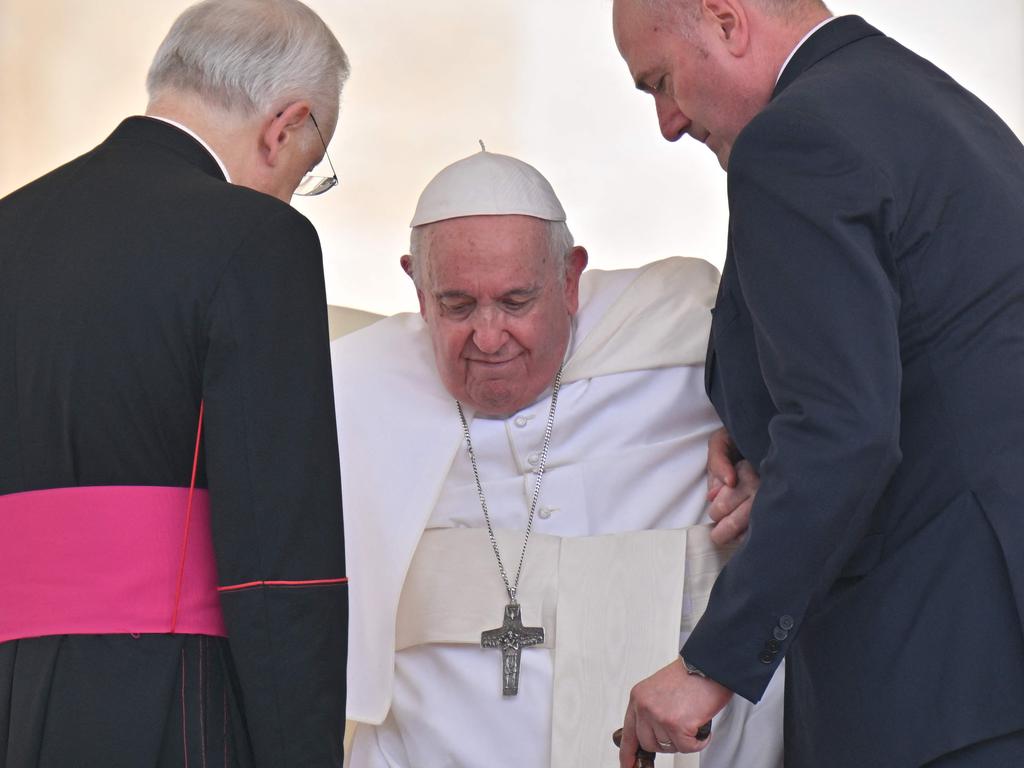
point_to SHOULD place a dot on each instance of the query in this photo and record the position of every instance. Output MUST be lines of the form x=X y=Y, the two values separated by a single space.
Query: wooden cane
x=644 y=759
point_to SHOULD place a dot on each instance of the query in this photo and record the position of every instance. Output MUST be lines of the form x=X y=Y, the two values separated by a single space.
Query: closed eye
x=513 y=305
x=456 y=308
x=644 y=84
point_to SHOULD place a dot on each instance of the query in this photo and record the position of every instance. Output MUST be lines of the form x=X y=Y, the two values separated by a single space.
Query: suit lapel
x=716 y=319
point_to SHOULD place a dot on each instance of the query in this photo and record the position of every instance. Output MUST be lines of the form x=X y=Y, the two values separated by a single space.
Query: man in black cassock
x=161 y=273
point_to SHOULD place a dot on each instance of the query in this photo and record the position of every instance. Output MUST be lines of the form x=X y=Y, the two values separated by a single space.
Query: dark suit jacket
x=134 y=283
x=867 y=356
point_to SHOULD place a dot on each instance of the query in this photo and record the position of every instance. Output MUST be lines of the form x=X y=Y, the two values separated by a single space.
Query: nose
x=489 y=333
x=671 y=120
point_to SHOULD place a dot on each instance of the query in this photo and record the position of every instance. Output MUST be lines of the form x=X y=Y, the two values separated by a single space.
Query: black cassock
x=135 y=283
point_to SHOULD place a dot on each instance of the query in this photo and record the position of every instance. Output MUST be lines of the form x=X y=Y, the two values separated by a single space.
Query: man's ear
x=729 y=23
x=575 y=263
x=281 y=129
x=406 y=262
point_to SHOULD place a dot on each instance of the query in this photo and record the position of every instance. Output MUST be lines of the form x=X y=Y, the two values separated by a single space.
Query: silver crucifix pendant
x=511 y=637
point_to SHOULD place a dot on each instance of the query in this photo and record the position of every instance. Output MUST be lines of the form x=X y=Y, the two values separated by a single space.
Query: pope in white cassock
x=522 y=470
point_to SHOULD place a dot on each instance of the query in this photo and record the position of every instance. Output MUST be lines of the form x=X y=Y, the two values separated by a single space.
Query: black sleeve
x=810 y=222
x=272 y=468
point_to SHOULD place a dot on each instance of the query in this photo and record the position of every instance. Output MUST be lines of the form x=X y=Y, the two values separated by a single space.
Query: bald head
x=783 y=9
x=711 y=65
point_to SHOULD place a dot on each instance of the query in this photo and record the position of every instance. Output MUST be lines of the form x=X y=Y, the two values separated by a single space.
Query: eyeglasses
x=316 y=185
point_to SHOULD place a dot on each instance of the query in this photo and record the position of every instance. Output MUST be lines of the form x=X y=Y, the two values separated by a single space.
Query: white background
x=539 y=79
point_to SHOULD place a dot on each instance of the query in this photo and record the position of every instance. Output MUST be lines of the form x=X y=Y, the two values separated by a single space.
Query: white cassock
x=627 y=454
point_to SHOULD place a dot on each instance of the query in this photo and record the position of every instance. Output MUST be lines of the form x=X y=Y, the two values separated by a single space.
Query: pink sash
x=107 y=559
x=113 y=559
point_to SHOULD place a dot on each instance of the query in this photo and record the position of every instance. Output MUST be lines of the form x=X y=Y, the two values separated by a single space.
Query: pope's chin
x=495 y=397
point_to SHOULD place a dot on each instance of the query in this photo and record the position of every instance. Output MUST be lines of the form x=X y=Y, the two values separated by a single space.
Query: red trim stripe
x=188 y=520
x=313 y=583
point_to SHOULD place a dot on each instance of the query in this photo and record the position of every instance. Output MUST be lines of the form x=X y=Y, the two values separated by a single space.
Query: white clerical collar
x=197 y=137
x=803 y=40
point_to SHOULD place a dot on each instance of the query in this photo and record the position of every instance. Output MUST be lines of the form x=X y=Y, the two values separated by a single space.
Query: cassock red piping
x=313 y=583
x=188 y=520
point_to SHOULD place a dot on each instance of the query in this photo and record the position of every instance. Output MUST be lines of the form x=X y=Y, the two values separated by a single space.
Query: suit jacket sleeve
x=272 y=468
x=811 y=232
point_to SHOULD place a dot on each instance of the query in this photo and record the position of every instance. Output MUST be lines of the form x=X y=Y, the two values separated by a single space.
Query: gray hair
x=252 y=57
x=560 y=244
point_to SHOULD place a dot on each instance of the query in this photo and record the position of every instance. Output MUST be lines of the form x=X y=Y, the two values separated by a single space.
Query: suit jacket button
x=780 y=634
x=766 y=657
x=772 y=645
x=786 y=622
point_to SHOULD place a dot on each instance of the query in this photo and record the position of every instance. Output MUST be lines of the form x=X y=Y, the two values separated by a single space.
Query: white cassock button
x=520 y=421
x=533 y=458
x=546 y=512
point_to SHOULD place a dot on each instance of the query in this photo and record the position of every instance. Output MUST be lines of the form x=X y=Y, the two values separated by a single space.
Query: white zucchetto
x=487 y=184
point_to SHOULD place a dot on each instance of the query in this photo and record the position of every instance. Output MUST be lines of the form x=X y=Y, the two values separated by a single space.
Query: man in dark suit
x=867 y=356
x=172 y=583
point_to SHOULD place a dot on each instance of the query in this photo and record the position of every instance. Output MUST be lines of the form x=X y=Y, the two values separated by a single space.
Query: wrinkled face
x=498 y=307
x=686 y=64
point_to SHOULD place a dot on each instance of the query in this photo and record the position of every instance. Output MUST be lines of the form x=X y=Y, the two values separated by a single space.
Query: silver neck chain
x=513 y=587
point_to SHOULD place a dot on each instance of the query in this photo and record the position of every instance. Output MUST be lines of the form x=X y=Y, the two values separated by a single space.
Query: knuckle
x=643 y=711
x=724 y=500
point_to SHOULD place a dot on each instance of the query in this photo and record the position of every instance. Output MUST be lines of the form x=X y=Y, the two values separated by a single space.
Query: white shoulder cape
x=399 y=432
